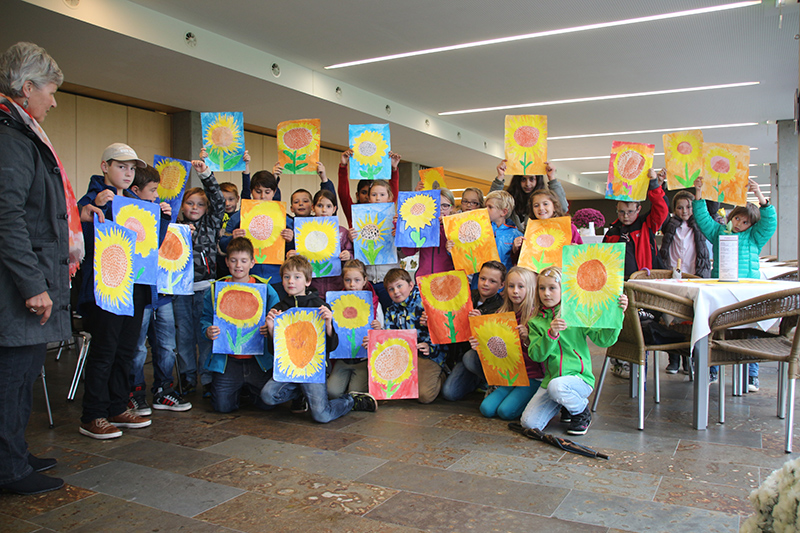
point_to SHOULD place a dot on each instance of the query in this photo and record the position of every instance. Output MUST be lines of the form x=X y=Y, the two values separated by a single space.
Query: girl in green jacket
x=568 y=379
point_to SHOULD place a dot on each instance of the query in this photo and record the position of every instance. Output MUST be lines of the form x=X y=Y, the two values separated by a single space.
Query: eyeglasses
x=623 y=213
x=469 y=202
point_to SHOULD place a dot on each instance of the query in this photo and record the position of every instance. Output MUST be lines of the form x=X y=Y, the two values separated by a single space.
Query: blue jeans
x=752 y=370
x=322 y=409
x=465 y=377
x=158 y=325
x=508 y=402
x=348 y=375
x=188 y=312
x=19 y=368
x=570 y=391
x=239 y=374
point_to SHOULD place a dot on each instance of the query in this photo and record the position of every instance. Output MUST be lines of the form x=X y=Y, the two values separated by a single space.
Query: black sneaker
x=40 y=464
x=138 y=404
x=363 y=401
x=34 y=483
x=187 y=386
x=674 y=366
x=170 y=401
x=752 y=384
x=580 y=422
x=299 y=405
x=566 y=416
x=207 y=390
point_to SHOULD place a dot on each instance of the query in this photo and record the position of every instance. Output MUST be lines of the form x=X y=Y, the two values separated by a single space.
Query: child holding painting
x=434 y=260
x=568 y=378
x=362 y=189
x=521 y=188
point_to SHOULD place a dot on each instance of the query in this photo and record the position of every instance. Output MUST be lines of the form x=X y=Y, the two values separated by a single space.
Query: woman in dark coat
x=41 y=245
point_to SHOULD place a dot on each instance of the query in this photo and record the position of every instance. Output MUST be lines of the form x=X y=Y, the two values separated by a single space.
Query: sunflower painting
x=113 y=267
x=174 y=175
x=263 y=221
x=499 y=349
x=317 y=239
x=299 y=348
x=393 y=370
x=175 y=264
x=370 y=144
x=418 y=219
x=474 y=239
x=683 y=157
x=143 y=218
x=223 y=139
x=239 y=311
x=432 y=178
x=543 y=242
x=374 y=244
x=725 y=173
x=447 y=301
x=526 y=144
x=592 y=284
x=627 y=171
x=298 y=145
x=353 y=314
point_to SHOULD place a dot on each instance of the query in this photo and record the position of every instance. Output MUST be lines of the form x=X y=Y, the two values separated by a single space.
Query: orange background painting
x=683 y=158
x=525 y=144
x=726 y=169
x=298 y=145
x=627 y=171
x=263 y=221
x=430 y=177
x=500 y=351
x=474 y=239
x=543 y=242
x=447 y=301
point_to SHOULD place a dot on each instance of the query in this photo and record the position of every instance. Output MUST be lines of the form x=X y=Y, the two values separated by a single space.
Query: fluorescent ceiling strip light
x=548 y=33
x=595 y=172
x=607 y=156
x=613 y=133
x=600 y=98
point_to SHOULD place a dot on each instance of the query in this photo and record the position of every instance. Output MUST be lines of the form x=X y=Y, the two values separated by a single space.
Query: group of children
x=181 y=327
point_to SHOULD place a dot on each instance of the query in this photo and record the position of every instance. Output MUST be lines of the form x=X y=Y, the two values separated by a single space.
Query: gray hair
x=27 y=62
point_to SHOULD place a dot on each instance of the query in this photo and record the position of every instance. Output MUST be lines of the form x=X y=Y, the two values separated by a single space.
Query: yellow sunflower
x=351 y=312
x=299 y=344
x=469 y=229
x=263 y=221
x=590 y=275
x=240 y=305
x=143 y=223
x=445 y=291
x=684 y=146
x=299 y=136
x=432 y=178
x=173 y=176
x=391 y=362
x=373 y=233
x=369 y=148
x=499 y=346
x=224 y=134
x=526 y=143
x=418 y=211
x=316 y=239
x=113 y=267
x=720 y=163
x=630 y=162
x=175 y=251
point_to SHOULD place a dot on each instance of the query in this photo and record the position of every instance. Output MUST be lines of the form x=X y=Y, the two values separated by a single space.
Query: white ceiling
x=137 y=49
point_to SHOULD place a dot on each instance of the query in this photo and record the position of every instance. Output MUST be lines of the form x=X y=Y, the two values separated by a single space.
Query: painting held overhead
x=144 y=218
x=317 y=239
x=525 y=144
x=683 y=158
x=591 y=285
x=239 y=311
x=263 y=222
x=628 y=170
x=392 y=365
x=175 y=262
x=432 y=178
x=298 y=145
x=113 y=267
x=299 y=346
x=174 y=175
x=447 y=301
x=499 y=349
x=223 y=139
x=726 y=170
x=370 y=144
x=418 y=219
x=353 y=314
x=374 y=244
x=474 y=239
x=544 y=239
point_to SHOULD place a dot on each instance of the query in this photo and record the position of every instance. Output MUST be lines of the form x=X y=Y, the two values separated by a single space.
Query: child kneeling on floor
x=568 y=379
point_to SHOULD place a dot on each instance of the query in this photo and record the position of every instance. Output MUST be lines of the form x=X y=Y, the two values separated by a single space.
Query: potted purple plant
x=587 y=219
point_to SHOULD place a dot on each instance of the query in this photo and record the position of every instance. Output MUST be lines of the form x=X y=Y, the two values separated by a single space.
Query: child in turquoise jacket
x=568 y=379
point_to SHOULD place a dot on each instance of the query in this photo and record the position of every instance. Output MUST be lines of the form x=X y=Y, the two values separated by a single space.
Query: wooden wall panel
x=98 y=124
x=149 y=133
x=60 y=128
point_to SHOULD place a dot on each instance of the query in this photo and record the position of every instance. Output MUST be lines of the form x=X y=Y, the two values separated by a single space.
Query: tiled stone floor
x=408 y=467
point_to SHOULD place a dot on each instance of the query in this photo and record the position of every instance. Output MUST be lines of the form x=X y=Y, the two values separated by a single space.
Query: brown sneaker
x=129 y=419
x=99 y=428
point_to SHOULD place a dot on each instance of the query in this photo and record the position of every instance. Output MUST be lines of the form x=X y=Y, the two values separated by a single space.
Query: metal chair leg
x=642 y=375
x=84 y=351
x=599 y=388
x=790 y=417
x=737 y=381
x=657 y=393
x=634 y=379
x=47 y=399
x=783 y=376
x=721 y=377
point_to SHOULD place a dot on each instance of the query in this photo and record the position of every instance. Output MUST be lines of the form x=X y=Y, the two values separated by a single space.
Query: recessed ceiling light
x=614 y=133
x=548 y=33
x=600 y=98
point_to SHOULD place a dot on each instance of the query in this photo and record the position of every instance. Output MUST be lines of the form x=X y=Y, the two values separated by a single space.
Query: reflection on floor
x=408 y=467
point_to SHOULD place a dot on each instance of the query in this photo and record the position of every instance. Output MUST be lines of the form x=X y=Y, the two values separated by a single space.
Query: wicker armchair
x=728 y=346
x=631 y=346
x=788 y=276
x=658 y=274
